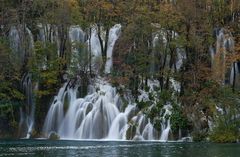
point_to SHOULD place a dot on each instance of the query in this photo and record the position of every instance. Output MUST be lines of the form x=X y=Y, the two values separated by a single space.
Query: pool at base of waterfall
x=37 y=148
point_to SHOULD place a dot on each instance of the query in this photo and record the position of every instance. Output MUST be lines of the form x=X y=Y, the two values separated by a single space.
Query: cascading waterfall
x=27 y=112
x=119 y=126
x=87 y=118
x=100 y=114
x=97 y=116
x=56 y=112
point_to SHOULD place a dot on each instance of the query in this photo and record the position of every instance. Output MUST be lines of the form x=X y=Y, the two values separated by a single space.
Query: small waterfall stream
x=113 y=36
x=166 y=125
x=27 y=112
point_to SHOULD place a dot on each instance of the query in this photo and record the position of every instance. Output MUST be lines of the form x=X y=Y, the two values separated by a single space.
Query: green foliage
x=225 y=133
x=178 y=120
x=227 y=120
x=9 y=75
x=45 y=67
x=80 y=59
x=143 y=105
x=11 y=97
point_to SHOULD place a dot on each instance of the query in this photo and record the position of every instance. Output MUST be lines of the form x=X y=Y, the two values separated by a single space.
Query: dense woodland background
x=204 y=83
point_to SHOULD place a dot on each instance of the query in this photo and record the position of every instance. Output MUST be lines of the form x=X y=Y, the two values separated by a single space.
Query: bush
x=224 y=135
x=178 y=120
x=227 y=121
x=199 y=136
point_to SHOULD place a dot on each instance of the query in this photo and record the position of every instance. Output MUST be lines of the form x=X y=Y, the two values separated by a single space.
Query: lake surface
x=44 y=148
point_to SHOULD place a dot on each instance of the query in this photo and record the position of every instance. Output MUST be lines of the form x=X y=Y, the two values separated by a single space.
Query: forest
x=170 y=67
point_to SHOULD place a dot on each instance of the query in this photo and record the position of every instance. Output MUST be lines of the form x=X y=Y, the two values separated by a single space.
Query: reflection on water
x=39 y=148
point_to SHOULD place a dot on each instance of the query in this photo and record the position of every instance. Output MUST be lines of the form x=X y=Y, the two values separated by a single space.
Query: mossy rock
x=53 y=136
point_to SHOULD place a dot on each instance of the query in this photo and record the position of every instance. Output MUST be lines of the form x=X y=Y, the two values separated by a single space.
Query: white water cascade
x=98 y=116
x=94 y=117
x=166 y=125
x=113 y=36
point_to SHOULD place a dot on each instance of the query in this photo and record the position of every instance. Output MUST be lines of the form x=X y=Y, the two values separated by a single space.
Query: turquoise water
x=44 y=148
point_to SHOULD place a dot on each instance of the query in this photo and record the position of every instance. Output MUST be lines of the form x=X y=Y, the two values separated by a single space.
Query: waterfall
x=119 y=127
x=79 y=54
x=235 y=74
x=90 y=117
x=98 y=116
x=27 y=112
x=21 y=42
x=101 y=114
x=166 y=125
x=49 y=33
x=148 y=132
x=224 y=45
x=55 y=113
x=113 y=36
x=95 y=50
x=159 y=41
x=14 y=37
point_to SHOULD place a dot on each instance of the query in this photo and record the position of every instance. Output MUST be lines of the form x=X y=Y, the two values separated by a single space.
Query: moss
x=142 y=105
x=178 y=119
x=54 y=136
x=157 y=124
